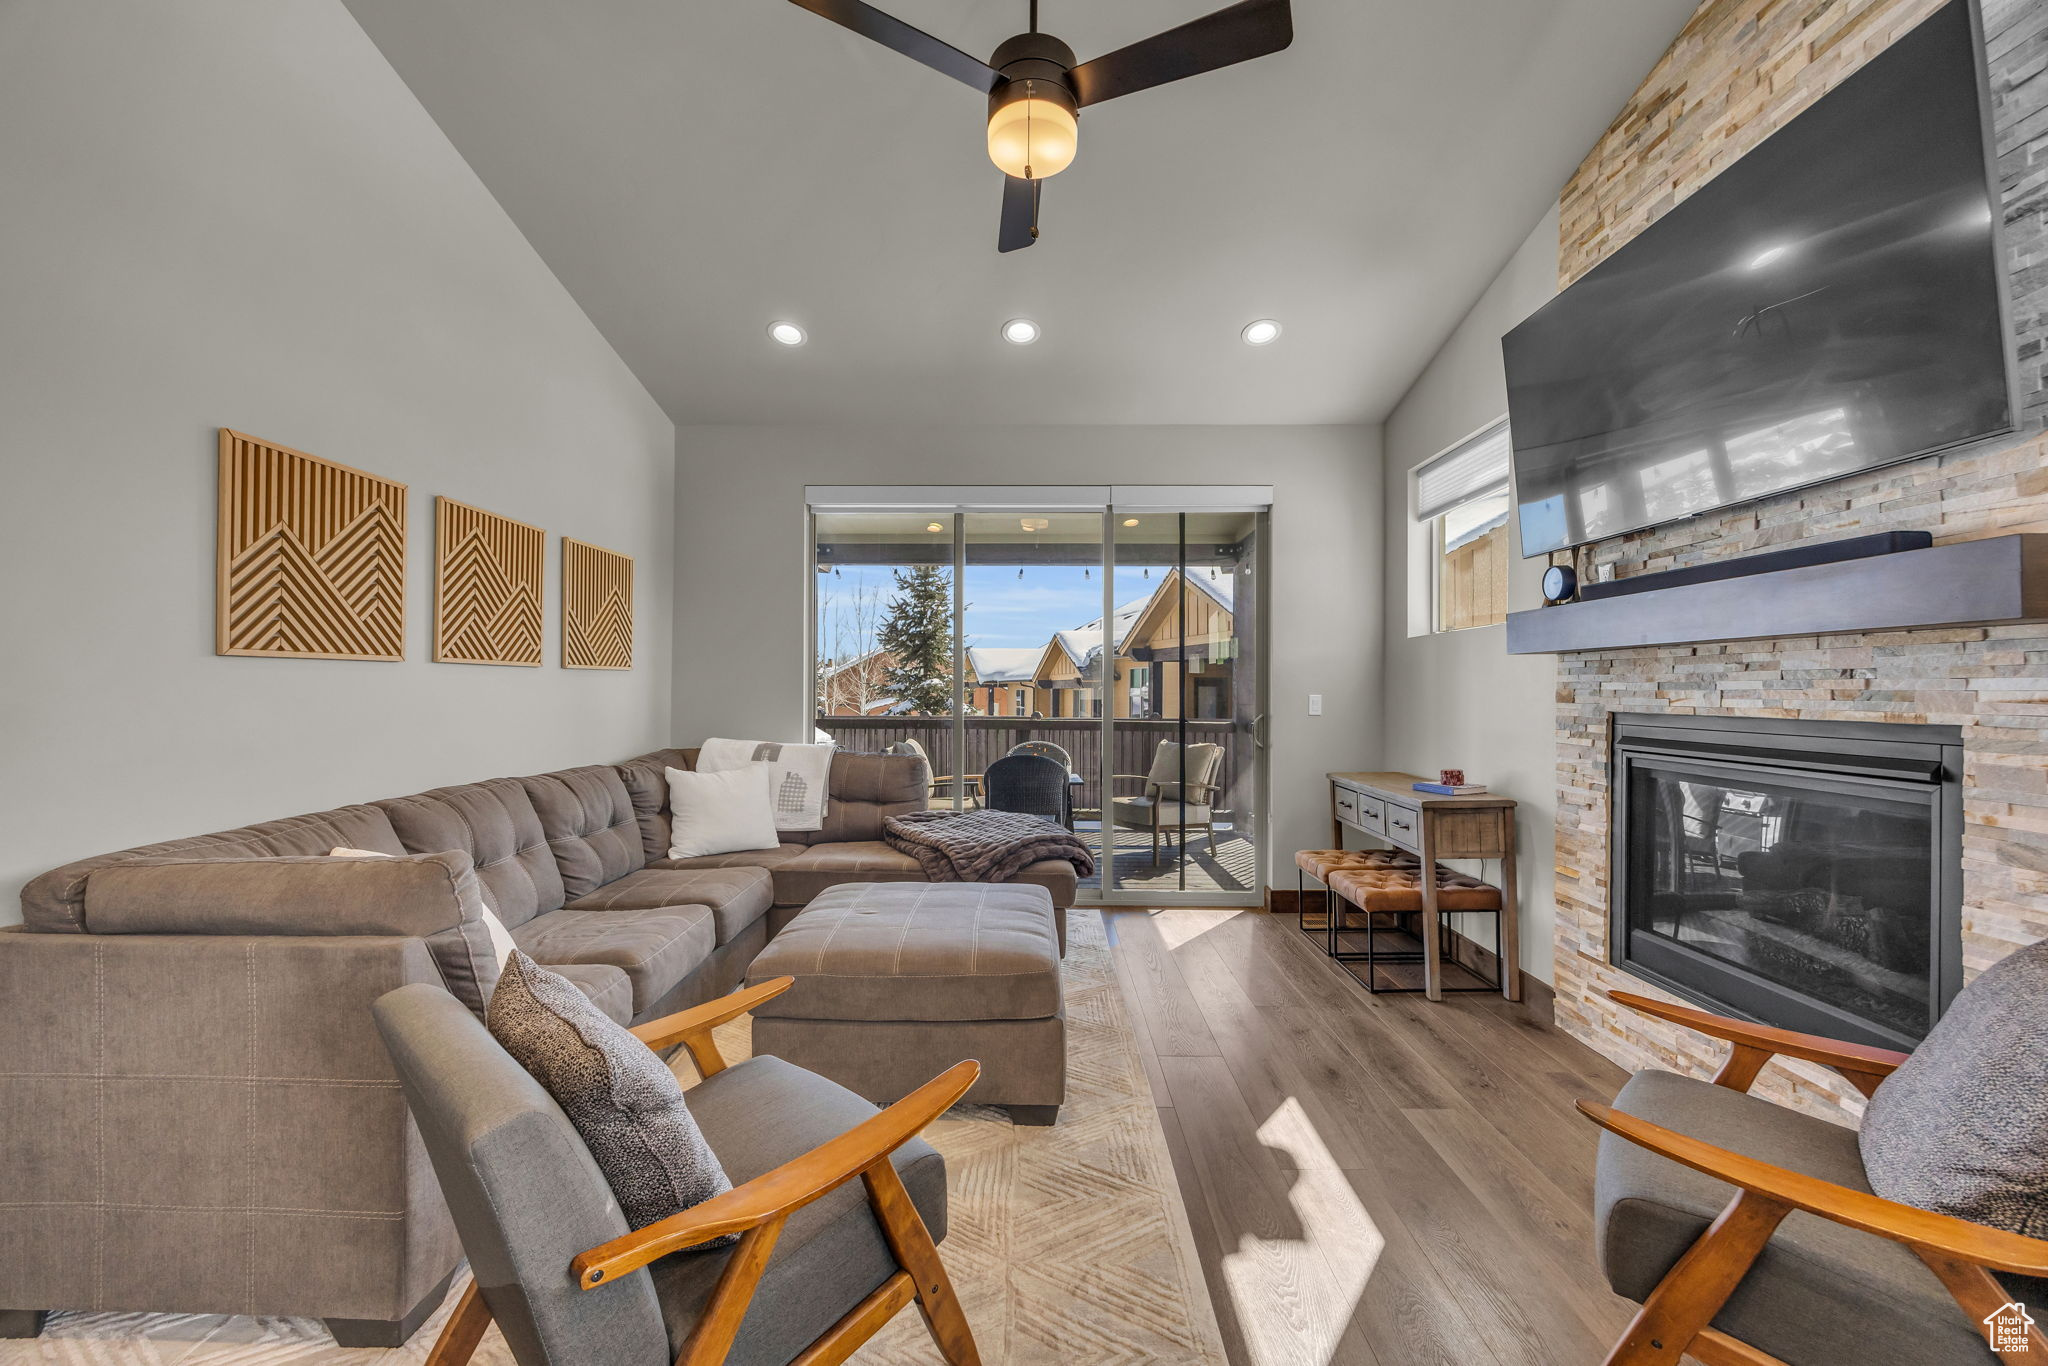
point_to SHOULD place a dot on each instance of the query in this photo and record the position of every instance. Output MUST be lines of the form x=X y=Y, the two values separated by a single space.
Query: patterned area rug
x=1067 y=1244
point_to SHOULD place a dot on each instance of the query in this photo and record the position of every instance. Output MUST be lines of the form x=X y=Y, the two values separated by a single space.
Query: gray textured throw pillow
x=1962 y=1126
x=622 y=1099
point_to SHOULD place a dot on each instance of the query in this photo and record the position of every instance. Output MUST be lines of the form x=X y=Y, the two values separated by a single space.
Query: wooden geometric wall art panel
x=311 y=556
x=487 y=584
x=597 y=607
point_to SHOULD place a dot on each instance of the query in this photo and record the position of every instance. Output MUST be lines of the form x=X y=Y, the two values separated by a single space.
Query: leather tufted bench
x=1320 y=863
x=1400 y=889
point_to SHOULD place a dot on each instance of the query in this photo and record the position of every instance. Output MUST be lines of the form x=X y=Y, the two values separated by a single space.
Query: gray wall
x=741 y=563
x=1459 y=700
x=232 y=212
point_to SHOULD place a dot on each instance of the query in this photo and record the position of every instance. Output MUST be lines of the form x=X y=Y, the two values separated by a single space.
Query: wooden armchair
x=530 y=1205
x=1679 y=1314
x=1180 y=793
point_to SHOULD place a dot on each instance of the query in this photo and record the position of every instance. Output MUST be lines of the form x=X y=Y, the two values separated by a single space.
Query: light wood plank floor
x=1373 y=1181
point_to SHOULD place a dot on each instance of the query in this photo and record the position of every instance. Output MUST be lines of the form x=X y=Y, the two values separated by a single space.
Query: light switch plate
x=1315 y=704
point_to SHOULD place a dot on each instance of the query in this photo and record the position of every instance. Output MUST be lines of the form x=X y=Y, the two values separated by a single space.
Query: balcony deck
x=1228 y=866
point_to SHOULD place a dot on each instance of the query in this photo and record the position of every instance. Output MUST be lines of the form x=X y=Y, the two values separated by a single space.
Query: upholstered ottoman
x=897 y=981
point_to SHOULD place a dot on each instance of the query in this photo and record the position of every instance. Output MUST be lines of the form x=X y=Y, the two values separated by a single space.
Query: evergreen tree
x=917 y=636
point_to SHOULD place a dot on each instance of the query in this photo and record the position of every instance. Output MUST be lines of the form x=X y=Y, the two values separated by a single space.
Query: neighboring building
x=1166 y=665
x=855 y=687
x=1156 y=671
x=999 y=680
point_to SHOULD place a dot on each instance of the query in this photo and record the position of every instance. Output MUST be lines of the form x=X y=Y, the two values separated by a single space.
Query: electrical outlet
x=1315 y=704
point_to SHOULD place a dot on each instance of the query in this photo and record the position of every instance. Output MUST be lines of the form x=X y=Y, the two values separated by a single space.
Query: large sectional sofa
x=201 y=1118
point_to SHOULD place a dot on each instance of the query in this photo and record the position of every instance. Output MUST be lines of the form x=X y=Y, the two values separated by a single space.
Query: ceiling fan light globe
x=1033 y=138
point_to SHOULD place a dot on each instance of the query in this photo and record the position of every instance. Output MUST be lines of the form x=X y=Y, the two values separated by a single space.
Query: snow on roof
x=1223 y=587
x=1003 y=664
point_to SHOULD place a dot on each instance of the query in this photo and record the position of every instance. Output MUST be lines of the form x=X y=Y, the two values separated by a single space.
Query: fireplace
x=1804 y=874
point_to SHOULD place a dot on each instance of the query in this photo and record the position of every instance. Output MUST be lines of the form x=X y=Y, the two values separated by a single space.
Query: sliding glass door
x=1118 y=641
x=1188 y=715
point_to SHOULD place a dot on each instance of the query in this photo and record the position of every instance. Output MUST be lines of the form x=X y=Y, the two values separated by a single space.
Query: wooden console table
x=1387 y=807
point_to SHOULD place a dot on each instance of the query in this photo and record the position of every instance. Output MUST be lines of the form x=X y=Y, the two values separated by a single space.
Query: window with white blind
x=1462 y=502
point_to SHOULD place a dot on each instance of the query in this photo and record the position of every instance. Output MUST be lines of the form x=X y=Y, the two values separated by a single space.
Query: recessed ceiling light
x=789 y=334
x=1130 y=521
x=934 y=526
x=1765 y=258
x=1261 y=333
x=1020 y=331
x=1034 y=523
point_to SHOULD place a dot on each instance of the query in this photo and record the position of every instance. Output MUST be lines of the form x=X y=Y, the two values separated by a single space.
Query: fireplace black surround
x=1804 y=874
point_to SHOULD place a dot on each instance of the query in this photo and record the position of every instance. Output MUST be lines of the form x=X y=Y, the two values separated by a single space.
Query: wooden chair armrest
x=692 y=1028
x=788 y=1188
x=1755 y=1044
x=1923 y=1230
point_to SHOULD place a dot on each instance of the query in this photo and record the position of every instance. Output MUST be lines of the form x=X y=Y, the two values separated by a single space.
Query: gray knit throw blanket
x=983 y=846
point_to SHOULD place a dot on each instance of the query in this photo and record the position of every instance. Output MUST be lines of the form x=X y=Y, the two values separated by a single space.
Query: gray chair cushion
x=1820 y=1293
x=623 y=1100
x=758 y=1115
x=737 y=896
x=1962 y=1126
x=917 y=951
x=656 y=949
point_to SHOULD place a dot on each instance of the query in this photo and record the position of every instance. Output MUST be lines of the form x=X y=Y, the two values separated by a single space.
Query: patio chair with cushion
x=1180 y=793
x=838 y=1205
x=969 y=783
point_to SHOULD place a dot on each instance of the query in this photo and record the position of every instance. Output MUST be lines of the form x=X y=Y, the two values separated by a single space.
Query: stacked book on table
x=1451 y=790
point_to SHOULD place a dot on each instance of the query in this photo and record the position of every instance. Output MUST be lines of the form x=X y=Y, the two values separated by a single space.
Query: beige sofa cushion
x=608 y=988
x=495 y=824
x=646 y=783
x=737 y=896
x=588 y=819
x=866 y=789
x=770 y=859
x=655 y=948
x=929 y=951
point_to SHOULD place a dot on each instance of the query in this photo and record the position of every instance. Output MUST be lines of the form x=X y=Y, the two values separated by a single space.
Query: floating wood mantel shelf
x=1992 y=582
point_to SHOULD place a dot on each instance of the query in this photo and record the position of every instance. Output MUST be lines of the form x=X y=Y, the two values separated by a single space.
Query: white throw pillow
x=721 y=813
x=501 y=938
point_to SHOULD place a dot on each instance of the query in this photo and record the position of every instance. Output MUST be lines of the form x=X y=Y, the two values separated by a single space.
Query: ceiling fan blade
x=1020 y=213
x=1246 y=30
x=915 y=44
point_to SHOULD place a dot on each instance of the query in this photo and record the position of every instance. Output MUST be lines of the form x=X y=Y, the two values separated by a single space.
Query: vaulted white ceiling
x=693 y=169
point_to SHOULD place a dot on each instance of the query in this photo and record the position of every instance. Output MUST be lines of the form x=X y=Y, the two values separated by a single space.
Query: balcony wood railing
x=989 y=738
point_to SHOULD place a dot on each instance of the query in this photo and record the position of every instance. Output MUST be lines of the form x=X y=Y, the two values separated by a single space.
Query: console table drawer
x=1361 y=809
x=1404 y=827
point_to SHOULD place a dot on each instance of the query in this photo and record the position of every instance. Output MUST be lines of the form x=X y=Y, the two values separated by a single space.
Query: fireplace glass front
x=1807 y=888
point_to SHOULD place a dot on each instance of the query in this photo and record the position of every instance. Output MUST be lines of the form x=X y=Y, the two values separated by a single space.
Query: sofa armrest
x=435 y=897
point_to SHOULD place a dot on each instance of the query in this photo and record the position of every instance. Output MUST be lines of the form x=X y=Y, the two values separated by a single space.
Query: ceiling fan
x=1036 y=90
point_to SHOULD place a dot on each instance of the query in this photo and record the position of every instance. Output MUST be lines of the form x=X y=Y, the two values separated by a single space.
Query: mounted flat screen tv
x=1830 y=303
